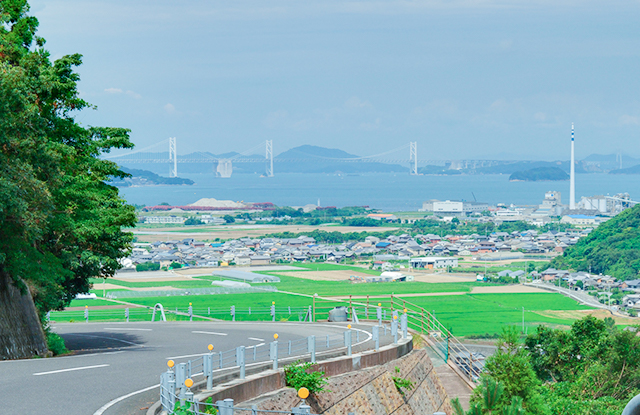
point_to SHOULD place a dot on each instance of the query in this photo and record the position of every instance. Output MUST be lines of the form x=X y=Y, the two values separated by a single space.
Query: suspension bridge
x=225 y=164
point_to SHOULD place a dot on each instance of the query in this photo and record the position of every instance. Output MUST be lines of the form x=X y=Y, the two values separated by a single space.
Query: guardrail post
x=311 y=347
x=126 y=314
x=354 y=316
x=189 y=369
x=225 y=407
x=289 y=307
x=233 y=313
x=301 y=410
x=181 y=376
x=289 y=347
x=249 y=310
x=273 y=354
x=171 y=389
x=190 y=312
x=347 y=341
x=404 y=325
x=208 y=311
x=240 y=360
x=376 y=336
x=273 y=312
x=254 y=409
x=86 y=313
x=394 y=329
x=379 y=315
x=384 y=314
x=327 y=341
x=207 y=368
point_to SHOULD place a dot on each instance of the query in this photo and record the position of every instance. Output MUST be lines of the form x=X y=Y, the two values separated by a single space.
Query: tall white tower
x=269 y=157
x=173 y=157
x=572 y=179
x=413 y=157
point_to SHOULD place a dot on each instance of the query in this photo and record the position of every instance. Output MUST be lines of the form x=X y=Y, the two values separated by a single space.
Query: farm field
x=467 y=308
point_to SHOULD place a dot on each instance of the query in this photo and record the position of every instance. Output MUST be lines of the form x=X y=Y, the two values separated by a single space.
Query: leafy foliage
x=401 y=383
x=55 y=344
x=613 y=248
x=297 y=376
x=511 y=371
x=60 y=222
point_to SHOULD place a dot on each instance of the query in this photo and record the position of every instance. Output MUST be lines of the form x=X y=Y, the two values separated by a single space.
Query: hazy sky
x=465 y=79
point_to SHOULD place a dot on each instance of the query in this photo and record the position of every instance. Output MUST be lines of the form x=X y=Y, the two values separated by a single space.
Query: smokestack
x=572 y=180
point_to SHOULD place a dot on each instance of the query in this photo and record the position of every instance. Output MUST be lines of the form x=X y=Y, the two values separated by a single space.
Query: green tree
x=60 y=222
x=511 y=368
x=228 y=218
x=193 y=221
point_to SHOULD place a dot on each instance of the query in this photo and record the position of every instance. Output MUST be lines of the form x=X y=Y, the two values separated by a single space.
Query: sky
x=465 y=79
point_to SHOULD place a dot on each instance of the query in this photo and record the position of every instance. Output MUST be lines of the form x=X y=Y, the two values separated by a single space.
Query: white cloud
x=629 y=120
x=355 y=102
x=132 y=94
x=169 y=108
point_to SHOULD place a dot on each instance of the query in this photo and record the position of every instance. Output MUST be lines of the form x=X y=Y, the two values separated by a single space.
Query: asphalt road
x=112 y=360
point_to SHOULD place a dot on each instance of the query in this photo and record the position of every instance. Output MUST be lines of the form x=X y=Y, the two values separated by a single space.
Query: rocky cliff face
x=21 y=334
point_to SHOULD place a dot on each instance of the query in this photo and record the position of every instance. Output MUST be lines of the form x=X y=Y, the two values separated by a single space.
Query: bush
x=55 y=343
x=148 y=266
x=296 y=376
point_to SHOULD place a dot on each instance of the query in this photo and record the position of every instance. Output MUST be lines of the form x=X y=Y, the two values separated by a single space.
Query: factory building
x=434 y=262
x=453 y=207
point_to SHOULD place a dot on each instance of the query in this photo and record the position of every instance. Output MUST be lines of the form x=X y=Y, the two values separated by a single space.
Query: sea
x=390 y=192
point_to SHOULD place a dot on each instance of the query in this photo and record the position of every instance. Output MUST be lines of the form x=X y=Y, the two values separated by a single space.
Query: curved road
x=112 y=360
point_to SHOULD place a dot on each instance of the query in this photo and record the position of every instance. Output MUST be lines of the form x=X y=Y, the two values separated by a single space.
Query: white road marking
x=257 y=345
x=112 y=402
x=114 y=328
x=210 y=332
x=186 y=355
x=256 y=339
x=68 y=370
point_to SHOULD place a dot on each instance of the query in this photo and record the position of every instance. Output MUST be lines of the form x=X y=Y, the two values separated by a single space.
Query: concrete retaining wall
x=372 y=391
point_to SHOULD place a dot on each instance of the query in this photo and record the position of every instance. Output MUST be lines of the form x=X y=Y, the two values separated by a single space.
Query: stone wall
x=372 y=391
x=21 y=334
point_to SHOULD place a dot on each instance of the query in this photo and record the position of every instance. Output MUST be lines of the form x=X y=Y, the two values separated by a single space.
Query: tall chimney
x=572 y=180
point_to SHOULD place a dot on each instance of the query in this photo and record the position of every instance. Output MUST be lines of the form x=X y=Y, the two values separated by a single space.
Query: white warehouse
x=432 y=262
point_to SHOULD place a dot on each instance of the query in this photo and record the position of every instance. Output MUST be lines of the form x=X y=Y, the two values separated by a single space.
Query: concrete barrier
x=261 y=379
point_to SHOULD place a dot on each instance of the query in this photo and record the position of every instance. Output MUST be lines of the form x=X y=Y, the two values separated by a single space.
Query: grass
x=474 y=314
x=90 y=303
x=467 y=314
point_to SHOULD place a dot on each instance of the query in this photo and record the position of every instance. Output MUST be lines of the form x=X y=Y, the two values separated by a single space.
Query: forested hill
x=613 y=248
x=539 y=174
x=314 y=159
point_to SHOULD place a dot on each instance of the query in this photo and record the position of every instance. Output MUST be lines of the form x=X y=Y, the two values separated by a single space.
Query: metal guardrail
x=176 y=382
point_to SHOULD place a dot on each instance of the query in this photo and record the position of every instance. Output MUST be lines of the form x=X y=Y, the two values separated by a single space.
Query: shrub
x=296 y=376
x=55 y=343
x=402 y=383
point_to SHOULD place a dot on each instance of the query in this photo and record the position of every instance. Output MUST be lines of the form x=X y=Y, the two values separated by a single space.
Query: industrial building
x=453 y=207
x=434 y=262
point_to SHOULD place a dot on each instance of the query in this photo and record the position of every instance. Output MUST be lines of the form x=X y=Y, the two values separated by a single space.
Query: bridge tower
x=413 y=158
x=173 y=157
x=269 y=158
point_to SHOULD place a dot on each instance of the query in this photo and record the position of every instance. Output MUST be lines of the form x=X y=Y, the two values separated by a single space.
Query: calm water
x=390 y=192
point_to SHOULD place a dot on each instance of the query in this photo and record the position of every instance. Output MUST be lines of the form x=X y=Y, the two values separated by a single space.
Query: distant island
x=539 y=174
x=147 y=178
x=629 y=170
